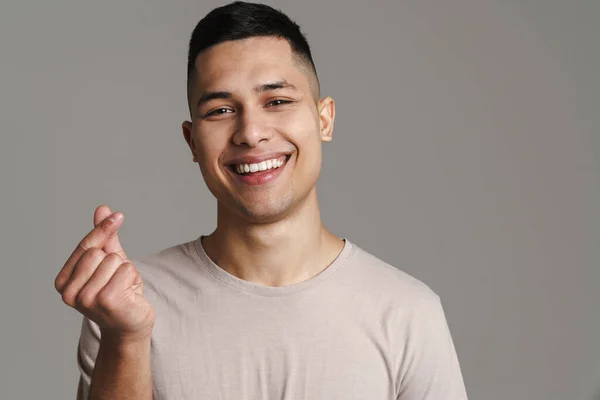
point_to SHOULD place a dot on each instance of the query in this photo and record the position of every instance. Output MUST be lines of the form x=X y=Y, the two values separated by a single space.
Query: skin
x=270 y=234
x=100 y=282
x=263 y=232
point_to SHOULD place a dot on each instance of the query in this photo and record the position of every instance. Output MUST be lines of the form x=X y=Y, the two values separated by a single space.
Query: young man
x=270 y=305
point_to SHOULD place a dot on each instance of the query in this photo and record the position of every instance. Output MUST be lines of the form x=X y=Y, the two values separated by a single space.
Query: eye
x=278 y=102
x=218 y=111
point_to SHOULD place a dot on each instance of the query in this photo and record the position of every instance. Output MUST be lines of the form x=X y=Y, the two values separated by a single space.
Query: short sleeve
x=429 y=369
x=87 y=350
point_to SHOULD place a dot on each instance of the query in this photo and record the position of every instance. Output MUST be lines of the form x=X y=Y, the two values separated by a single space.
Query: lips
x=255 y=159
x=258 y=168
x=257 y=162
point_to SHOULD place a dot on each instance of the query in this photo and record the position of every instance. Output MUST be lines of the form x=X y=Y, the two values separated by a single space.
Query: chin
x=266 y=211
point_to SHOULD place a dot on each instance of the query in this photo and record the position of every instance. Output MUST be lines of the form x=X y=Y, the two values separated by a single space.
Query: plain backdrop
x=466 y=152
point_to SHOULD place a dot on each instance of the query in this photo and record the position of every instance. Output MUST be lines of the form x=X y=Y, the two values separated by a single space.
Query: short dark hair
x=241 y=20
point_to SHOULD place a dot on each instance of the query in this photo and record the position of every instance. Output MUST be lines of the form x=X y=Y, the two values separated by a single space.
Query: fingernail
x=116 y=217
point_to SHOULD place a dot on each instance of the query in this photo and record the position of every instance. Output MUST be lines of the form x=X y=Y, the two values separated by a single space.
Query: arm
x=430 y=369
x=122 y=370
x=101 y=282
x=112 y=369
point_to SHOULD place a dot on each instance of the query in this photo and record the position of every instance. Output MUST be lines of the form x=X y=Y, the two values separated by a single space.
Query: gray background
x=466 y=152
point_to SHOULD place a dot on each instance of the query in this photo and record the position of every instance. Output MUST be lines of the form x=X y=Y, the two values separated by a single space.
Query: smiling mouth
x=261 y=167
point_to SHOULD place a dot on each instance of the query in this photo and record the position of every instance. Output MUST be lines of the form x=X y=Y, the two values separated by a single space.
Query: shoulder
x=388 y=281
x=166 y=258
x=171 y=266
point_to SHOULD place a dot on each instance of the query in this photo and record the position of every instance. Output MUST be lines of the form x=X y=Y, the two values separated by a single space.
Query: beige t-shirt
x=359 y=330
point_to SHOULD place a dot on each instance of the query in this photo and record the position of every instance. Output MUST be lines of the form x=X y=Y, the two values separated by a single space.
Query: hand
x=100 y=282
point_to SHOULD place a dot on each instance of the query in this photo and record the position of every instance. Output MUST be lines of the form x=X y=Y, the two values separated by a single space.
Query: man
x=270 y=305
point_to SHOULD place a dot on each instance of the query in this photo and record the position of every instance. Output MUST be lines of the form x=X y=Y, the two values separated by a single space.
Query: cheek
x=303 y=129
x=210 y=143
x=304 y=133
x=309 y=153
x=209 y=148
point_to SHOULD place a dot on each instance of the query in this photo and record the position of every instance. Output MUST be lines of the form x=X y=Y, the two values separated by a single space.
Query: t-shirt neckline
x=271 y=291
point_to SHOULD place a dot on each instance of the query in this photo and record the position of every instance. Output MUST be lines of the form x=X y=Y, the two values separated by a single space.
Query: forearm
x=122 y=370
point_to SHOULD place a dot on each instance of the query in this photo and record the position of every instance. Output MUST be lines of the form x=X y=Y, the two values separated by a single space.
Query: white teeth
x=261 y=166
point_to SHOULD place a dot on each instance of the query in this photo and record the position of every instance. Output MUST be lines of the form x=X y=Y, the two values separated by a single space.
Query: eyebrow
x=283 y=84
x=274 y=86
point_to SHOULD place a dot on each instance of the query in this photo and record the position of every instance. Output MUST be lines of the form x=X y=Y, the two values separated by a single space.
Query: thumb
x=112 y=245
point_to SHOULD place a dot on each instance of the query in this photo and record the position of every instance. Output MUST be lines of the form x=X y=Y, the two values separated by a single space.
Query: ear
x=186 y=127
x=326 y=118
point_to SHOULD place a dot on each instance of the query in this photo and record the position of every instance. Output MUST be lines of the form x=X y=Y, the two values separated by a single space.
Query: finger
x=120 y=286
x=101 y=212
x=113 y=244
x=87 y=297
x=95 y=239
x=82 y=271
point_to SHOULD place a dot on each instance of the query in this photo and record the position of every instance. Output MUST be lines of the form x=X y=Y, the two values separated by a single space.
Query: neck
x=281 y=253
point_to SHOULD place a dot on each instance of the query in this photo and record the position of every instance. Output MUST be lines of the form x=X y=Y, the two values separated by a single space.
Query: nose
x=251 y=130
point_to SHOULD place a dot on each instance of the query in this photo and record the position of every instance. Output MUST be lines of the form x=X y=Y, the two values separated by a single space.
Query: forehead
x=249 y=61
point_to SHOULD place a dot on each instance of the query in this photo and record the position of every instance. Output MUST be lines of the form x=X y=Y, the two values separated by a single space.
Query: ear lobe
x=186 y=128
x=326 y=118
